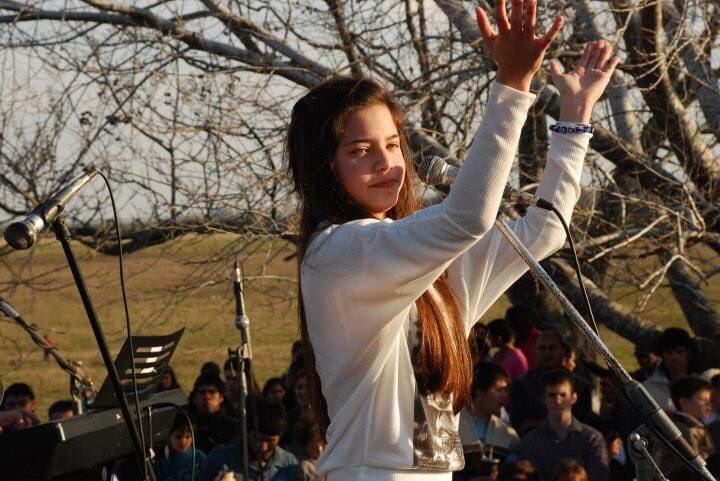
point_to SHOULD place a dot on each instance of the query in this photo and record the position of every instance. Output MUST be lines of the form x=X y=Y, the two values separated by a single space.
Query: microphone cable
x=578 y=272
x=136 y=396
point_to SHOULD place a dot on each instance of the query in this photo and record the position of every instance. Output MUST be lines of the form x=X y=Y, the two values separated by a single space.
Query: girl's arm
x=491 y=266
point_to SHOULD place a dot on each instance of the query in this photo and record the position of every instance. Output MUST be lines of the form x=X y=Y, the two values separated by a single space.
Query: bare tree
x=185 y=103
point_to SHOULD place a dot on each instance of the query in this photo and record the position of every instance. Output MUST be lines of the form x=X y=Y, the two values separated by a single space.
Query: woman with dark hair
x=388 y=293
x=168 y=380
x=274 y=390
x=507 y=356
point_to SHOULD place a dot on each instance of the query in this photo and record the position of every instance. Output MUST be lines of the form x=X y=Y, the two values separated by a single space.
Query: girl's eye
x=360 y=151
x=394 y=146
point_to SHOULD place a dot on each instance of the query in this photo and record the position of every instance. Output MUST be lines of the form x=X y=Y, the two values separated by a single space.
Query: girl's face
x=167 y=380
x=301 y=391
x=180 y=440
x=369 y=161
x=276 y=393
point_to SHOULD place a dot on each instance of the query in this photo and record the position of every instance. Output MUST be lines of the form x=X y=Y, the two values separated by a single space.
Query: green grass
x=185 y=283
x=204 y=305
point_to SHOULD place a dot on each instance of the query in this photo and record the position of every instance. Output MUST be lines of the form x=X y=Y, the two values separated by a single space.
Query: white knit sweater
x=360 y=281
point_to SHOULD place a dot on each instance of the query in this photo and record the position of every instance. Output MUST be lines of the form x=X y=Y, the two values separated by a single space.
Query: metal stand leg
x=62 y=233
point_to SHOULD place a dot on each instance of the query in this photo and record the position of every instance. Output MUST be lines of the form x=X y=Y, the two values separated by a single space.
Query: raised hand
x=517 y=50
x=581 y=88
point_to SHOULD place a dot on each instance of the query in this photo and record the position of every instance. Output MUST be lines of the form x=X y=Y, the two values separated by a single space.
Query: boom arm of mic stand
x=72 y=368
x=641 y=400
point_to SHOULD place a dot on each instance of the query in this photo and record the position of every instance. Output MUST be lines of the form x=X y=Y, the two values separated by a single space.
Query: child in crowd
x=569 y=470
x=178 y=461
x=61 y=409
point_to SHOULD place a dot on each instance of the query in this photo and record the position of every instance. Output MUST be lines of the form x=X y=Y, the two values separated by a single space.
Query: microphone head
x=21 y=235
x=236 y=274
x=431 y=170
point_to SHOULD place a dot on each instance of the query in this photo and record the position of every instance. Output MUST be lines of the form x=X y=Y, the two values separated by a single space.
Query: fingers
x=516 y=16
x=530 y=18
x=501 y=16
x=605 y=54
x=486 y=30
x=596 y=53
x=552 y=33
x=555 y=68
x=610 y=66
x=585 y=57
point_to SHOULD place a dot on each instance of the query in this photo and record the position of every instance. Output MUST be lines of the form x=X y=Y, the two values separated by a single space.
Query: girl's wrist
x=518 y=83
x=580 y=112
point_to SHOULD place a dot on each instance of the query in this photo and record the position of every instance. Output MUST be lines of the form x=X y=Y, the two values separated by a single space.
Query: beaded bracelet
x=571 y=128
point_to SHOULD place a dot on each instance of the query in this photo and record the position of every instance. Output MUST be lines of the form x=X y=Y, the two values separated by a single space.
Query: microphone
x=23 y=234
x=435 y=171
x=242 y=321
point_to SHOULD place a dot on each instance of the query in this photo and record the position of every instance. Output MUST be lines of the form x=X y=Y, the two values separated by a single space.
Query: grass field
x=184 y=283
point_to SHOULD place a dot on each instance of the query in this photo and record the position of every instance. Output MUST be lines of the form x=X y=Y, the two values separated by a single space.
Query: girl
x=388 y=294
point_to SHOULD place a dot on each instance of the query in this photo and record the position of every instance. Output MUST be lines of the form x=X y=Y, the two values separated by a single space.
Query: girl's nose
x=382 y=161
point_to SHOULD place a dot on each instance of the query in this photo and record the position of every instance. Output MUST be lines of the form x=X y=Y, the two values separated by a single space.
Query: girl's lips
x=384 y=185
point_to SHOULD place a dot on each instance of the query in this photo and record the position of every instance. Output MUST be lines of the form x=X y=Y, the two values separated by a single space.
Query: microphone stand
x=80 y=382
x=241 y=363
x=655 y=421
x=62 y=233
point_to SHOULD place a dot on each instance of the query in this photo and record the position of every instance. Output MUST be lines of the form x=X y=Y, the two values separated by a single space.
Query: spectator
x=210 y=368
x=215 y=423
x=570 y=470
x=15 y=419
x=266 y=456
x=19 y=396
x=307 y=446
x=621 y=469
x=522 y=470
x=569 y=360
x=714 y=400
x=168 y=380
x=297 y=364
x=714 y=419
x=561 y=435
x=177 y=465
x=527 y=404
x=481 y=429
x=614 y=406
x=274 y=390
x=676 y=349
x=302 y=397
x=526 y=332
x=510 y=358
x=647 y=361
x=691 y=397
x=61 y=410
x=479 y=345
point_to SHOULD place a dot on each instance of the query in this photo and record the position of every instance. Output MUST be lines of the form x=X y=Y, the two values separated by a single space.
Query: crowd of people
x=539 y=410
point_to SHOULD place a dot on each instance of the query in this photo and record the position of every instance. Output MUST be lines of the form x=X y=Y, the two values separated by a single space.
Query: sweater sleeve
x=490 y=267
x=377 y=268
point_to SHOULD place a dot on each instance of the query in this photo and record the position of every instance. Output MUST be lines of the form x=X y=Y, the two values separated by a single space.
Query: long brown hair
x=442 y=361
